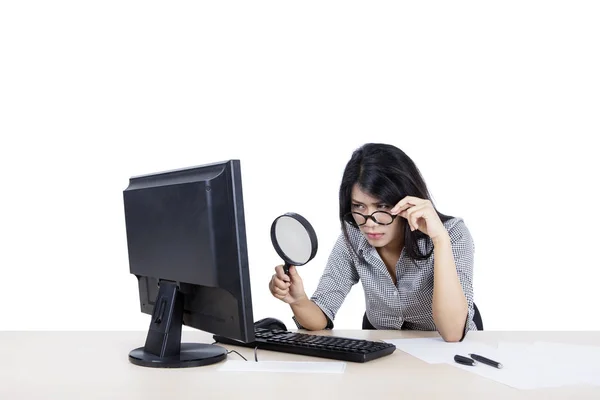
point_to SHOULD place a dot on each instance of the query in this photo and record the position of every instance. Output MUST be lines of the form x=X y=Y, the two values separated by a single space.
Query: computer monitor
x=186 y=240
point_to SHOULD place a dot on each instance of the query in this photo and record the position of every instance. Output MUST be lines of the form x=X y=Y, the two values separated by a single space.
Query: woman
x=415 y=264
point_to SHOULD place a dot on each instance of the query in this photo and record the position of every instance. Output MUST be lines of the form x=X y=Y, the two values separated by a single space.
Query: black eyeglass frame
x=367 y=217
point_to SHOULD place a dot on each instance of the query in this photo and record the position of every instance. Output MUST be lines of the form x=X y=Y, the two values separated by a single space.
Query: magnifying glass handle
x=286 y=268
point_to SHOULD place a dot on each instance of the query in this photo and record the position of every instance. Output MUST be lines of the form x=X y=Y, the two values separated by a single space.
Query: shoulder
x=456 y=226
x=459 y=233
x=352 y=236
x=349 y=242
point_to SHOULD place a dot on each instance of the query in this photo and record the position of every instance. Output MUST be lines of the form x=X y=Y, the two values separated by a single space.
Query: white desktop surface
x=95 y=365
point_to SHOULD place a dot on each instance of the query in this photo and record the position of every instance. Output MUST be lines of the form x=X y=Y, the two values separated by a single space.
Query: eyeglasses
x=379 y=217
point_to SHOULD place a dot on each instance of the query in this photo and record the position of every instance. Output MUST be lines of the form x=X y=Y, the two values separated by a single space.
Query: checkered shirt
x=406 y=305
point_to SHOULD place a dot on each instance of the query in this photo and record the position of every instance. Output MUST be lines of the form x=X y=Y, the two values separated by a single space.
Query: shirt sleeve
x=334 y=285
x=463 y=250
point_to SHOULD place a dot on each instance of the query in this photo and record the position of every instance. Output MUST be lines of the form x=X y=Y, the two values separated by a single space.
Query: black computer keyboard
x=333 y=347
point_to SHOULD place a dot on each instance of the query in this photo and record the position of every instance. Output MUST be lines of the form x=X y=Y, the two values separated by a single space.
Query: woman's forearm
x=450 y=306
x=309 y=315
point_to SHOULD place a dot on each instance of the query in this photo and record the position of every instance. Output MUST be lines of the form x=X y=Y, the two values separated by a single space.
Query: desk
x=94 y=365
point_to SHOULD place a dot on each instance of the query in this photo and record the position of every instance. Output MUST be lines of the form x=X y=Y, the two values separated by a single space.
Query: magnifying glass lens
x=294 y=239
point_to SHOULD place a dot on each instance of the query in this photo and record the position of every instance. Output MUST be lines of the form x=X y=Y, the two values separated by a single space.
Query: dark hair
x=388 y=174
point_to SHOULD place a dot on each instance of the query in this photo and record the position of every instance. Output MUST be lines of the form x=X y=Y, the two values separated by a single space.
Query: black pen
x=486 y=361
x=464 y=360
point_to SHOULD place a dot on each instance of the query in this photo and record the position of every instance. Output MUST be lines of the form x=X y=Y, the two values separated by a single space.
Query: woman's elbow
x=452 y=337
x=452 y=334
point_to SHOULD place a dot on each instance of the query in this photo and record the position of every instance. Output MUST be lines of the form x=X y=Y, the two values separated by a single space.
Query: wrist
x=300 y=301
x=441 y=240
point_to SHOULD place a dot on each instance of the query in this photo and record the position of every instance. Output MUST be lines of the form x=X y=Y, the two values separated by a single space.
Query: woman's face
x=377 y=235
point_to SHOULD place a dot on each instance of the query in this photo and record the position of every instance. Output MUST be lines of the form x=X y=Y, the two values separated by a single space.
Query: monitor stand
x=163 y=348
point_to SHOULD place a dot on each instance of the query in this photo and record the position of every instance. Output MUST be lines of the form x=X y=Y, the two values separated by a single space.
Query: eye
x=384 y=206
x=357 y=206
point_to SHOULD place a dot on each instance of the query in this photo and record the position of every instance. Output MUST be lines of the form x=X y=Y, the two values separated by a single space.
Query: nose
x=370 y=223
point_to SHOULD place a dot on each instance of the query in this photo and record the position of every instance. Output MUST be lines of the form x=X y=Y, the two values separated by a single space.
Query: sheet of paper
x=437 y=351
x=579 y=363
x=524 y=365
x=324 y=367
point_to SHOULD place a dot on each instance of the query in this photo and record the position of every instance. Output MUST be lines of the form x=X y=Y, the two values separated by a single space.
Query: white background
x=497 y=103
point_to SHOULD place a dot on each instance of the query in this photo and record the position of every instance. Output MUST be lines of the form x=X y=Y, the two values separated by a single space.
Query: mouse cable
x=233 y=351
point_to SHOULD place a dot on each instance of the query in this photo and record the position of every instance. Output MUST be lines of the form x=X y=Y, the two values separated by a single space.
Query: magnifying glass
x=294 y=240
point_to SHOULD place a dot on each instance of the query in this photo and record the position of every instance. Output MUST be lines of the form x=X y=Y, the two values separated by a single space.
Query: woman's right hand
x=288 y=289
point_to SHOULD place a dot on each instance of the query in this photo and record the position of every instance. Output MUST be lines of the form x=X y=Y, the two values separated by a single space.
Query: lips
x=374 y=235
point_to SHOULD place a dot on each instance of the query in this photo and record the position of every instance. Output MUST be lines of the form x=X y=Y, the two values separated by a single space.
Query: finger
x=281 y=292
x=415 y=214
x=280 y=274
x=407 y=201
x=414 y=200
x=400 y=208
x=280 y=297
x=278 y=283
x=410 y=217
x=406 y=214
x=271 y=285
x=293 y=272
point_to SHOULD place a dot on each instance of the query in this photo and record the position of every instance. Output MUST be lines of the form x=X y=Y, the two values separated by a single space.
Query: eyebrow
x=375 y=204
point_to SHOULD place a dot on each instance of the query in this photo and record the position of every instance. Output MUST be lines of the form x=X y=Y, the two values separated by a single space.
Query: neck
x=393 y=249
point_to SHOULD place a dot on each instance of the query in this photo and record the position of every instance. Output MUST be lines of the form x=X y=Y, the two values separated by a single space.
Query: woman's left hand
x=420 y=215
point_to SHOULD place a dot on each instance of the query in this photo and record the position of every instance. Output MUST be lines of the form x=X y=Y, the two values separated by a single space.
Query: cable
x=233 y=351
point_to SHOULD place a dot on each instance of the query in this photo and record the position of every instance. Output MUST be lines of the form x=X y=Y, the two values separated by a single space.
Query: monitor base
x=163 y=347
x=191 y=355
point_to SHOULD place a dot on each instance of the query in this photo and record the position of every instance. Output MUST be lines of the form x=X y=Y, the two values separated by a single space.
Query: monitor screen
x=186 y=240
